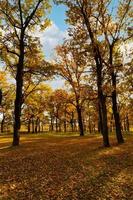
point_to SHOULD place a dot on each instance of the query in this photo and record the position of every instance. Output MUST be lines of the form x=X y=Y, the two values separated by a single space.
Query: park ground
x=47 y=167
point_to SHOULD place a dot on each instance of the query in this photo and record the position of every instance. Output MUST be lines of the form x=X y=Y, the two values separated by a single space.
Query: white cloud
x=50 y=38
x=127 y=49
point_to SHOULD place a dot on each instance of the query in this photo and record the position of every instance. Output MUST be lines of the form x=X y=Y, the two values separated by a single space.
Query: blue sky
x=58 y=16
x=56 y=33
x=53 y=36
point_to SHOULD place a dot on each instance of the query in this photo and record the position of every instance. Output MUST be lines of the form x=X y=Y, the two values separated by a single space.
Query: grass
x=49 y=167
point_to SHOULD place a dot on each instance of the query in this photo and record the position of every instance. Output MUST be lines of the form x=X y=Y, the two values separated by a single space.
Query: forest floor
x=46 y=167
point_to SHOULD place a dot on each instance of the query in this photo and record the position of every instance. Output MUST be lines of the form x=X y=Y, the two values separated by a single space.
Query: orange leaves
x=47 y=167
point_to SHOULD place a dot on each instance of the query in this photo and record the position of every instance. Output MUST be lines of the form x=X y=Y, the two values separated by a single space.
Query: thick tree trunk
x=36 y=126
x=99 y=67
x=33 y=126
x=56 y=124
x=42 y=127
x=114 y=100
x=117 y=118
x=111 y=124
x=65 y=126
x=100 y=124
x=39 y=126
x=102 y=105
x=51 y=123
x=80 y=121
x=18 y=104
x=127 y=123
x=65 y=121
x=29 y=123
x=72 y=122
x=90 y=128
x=19 y=93
x=0 y=96
x=60 y=130
x=104 y=122
x=75 y=125
x=2 y=124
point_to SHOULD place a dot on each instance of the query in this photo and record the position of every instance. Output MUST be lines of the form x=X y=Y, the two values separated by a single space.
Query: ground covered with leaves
x=65 y=168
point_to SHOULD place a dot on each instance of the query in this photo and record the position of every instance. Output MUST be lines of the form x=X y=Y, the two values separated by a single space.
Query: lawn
x=45 y=167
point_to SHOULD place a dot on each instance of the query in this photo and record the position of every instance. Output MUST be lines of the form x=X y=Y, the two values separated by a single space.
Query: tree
x=82 y=10
x=6 y=108
x=19 y=18
x=35 y=106
x=114 y=30
x=105 y=27
x=0 y=96
x=71 y=65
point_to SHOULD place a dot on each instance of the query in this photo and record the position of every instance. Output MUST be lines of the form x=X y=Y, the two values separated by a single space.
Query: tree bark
x=19 y=92
x=102 y=102
x=117 y=118
x=104 y=122
x=127 y=123
x=56 y=124
x=99 y=67
x=90 y=128
x=29 y=123
x=37 y=125
x=51 y=122
x=72 y=122
x=0 y=96
x=80 y=121
x=114 y=100
x=2 y=124
x=33 y=126
x=65 y=121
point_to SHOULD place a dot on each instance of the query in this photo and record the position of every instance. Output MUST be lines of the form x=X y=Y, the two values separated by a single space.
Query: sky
x=53 y=36
x=58 y=16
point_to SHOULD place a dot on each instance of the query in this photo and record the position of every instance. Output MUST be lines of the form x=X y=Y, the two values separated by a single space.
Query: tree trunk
x=60 y=130
x=102 y=105
x=33 y=126
x=104 y=122
x=80 y=122
x=51 y=123
x=56 y=124
x=42 y=127
x=90 y=130
x=0 y=96
x=75 y=125
x=114 y=100
x=19 y=94
x=100 y=124
x=111 y=124
x=65 y=126
x=2 y=124
x=127 y=123
x=117 y=118
x=65 y=121
x=29 y=123
x=72 y=122
x=99 y=68
x=36 y=126
x=39 y=126
x=18 y=104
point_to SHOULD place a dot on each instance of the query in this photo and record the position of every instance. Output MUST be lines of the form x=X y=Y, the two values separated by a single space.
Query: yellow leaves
x=40 y=12
x=45 y=24
x=29 y=2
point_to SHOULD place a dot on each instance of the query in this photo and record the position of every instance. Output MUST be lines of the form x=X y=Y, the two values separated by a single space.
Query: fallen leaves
x=70 y=168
